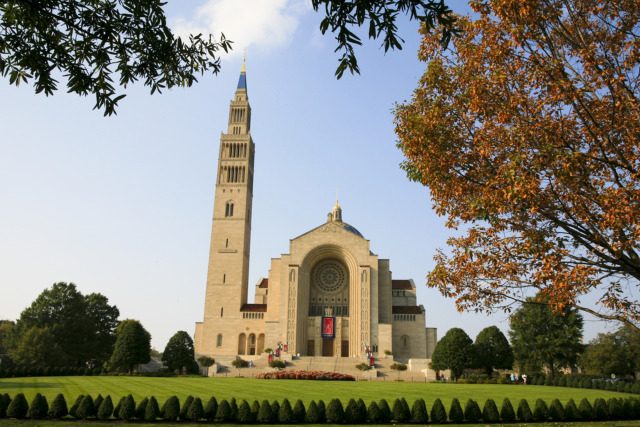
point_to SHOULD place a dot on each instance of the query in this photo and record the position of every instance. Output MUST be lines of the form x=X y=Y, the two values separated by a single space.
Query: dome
x=348 y=227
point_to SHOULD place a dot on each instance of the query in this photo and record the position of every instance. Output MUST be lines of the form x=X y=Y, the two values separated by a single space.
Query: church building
x=329 y=296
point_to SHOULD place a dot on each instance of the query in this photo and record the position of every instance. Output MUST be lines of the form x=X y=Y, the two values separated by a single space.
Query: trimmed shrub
x=456 y=415
x=18 y=407
x=96 y=403
x=151 y=411
x=86 y=408
x=313 y=415
x=185 y=407
x=265 y=414
x=585 y=410
x=600 y=409
x=373 y=413
x=335 y=412
x=490 y=412
x=419 y=414
x=472 y=411
x=322 y=410
x=586 y=383
x=438 y=413
x=58 y=408
x=628 y=388
x=38 y=408
x=275 y=408
x=556 y=411
x=224 y=411
x=128 y=409
x=540 y=410
x=245 y=416
x=628 y=409
x=362 y=410
x=299 y=411
x=116 y=410
x=385 y=410
x=141 y=408
x=506 y=411
x=399 y=413
x=255 y=408
x=524 y=411
x=211 y=409
x=571 y=412
x=351 y=412
x=171 y=409
x=5 y=400
x=105 y=410
x=74 y=407
x=562 y=382
x=233 y=406
x=196 y=411
x=615 y=409
x=285 y=413
x=548 y=381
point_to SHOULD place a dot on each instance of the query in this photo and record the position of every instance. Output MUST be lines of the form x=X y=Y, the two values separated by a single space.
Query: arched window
x=229 y=209
x=219 y=341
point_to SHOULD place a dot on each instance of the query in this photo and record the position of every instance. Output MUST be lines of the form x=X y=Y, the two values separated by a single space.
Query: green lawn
x=254 y=389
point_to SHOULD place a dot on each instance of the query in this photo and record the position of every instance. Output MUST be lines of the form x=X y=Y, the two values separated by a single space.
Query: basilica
x=329 y=296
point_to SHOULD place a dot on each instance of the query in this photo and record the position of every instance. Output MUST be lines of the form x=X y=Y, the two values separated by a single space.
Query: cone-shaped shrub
x=524 y=411
x=245 y=416
x=171 y=409
x=540 y=410
x=456 y=415
x=562 y=382
x=38 y=408
x=548 y=382
x=265 y=414
x=116 y=410
x=438 y=413
x=5 y=400
x=335 y=412
x=385 y=410
x=299 y=411
x=586 y=410
x=472 y=411
x=211 y=409
x=399 y=413
x=74 y=407
x=255 y=408
x=628 y=410
x=362 y=410
x=233 y=406
x=275 y=408
x=490 y=412
x=196 y=411
x=322 y=410
x=285 y=413
x=615 y=409
x=18 y=407
x=96 y=403
x=151 y=411
x=373 y=413
x=85 y=409
x=58 y=408
x=224 y=411
x=628 y=388
x=141 y=408
x=185 y=407
x=506 y=411
x=600 y=409
x=351 y=412
x=571 y=411
x=419 y=414
x=313 y=415
x=556 y=411
x=128 y=409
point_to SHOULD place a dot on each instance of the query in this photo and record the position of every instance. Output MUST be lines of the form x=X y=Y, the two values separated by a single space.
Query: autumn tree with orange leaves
x=527 y=132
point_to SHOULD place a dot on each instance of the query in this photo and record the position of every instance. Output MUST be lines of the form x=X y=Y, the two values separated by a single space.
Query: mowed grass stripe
x=253 y=389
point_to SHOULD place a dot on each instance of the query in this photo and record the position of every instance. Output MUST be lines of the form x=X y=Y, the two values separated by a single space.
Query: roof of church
x=242 y=81
x=264 y=283
x=350 y=228
x=406 y=309
x=254 y=307
x=401 y=284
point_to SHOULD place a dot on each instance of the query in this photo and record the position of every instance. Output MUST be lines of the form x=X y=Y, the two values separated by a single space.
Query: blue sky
x=122 y=205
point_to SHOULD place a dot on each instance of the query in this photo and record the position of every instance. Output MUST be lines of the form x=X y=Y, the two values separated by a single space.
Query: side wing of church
x=329 y=296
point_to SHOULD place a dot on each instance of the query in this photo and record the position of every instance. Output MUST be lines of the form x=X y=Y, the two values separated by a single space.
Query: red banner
x=328 y=327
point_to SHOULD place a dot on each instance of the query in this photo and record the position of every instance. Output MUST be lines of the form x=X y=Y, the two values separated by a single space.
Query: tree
x=133 y=345
x=526 y=132
x=178 y=353
x=615 y=353
x=5 y=327
x=207 y=362
x=398 y=367
x=492 y=350
x=454 y=351
x=542 y=338
x=37 y=348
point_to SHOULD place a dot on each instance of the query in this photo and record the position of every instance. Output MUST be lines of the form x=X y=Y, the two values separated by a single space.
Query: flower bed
x=305 y=375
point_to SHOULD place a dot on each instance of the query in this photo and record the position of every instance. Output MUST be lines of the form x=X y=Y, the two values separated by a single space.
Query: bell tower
x=228 y=273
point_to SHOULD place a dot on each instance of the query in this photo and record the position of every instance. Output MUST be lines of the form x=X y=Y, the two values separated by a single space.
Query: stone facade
x=330 y=281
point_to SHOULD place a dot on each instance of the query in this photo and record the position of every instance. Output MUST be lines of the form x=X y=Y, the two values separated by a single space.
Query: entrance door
x=345 y=349
x=311 y=348
x=327 y=347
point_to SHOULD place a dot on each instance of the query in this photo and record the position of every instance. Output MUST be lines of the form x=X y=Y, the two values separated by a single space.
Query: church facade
x=329 y=296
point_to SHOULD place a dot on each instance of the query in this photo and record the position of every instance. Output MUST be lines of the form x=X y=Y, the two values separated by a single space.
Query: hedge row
x=193 y=409
x=73 y=371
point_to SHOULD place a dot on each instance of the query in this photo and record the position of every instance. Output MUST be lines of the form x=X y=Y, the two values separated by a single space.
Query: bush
x=362 y=410
x=151 y=411
x=285 y=413
x=585 y=410
x=233 y=406
x=265 y=414
x=628 y=410
x=116 y=410
x=472 y=411
x=615 y=409
x=275 y=408
x=385 y=410
x=490 y=412
x=224 y=411
x=39 y=407
x=185 y=408
x=5 y=400
x=196 y=411
x=524 y=411
x=548 y=381
x=277 y=364
x=58 y=408
x=335 y=412
x=255 y=408
x=506 y=411
x=74 y=407
x=438 y=413
x=600 y=409
x=586 y=383
x=211 y=409
x=571 y=411
x=96 y=403
x=128 y=409
x=171 y=409
x=419 y=414
x=299 y=411
x=540 y=410
x=141 y=408
x=562 y=381
x=239 y=363
x=322 y=410
x=556 y=411
x=400 y=414
x=105 y=409
x=455 y=412
x=373 y=413
x=85 y=409
x=18 y=407
x=313 y=415
x=351 y=412
x=245 y=416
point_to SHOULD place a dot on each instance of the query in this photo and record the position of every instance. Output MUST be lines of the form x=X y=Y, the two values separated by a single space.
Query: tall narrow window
x=221 y=311
x=224 y=280
x=219 y=341
x=228 y=209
